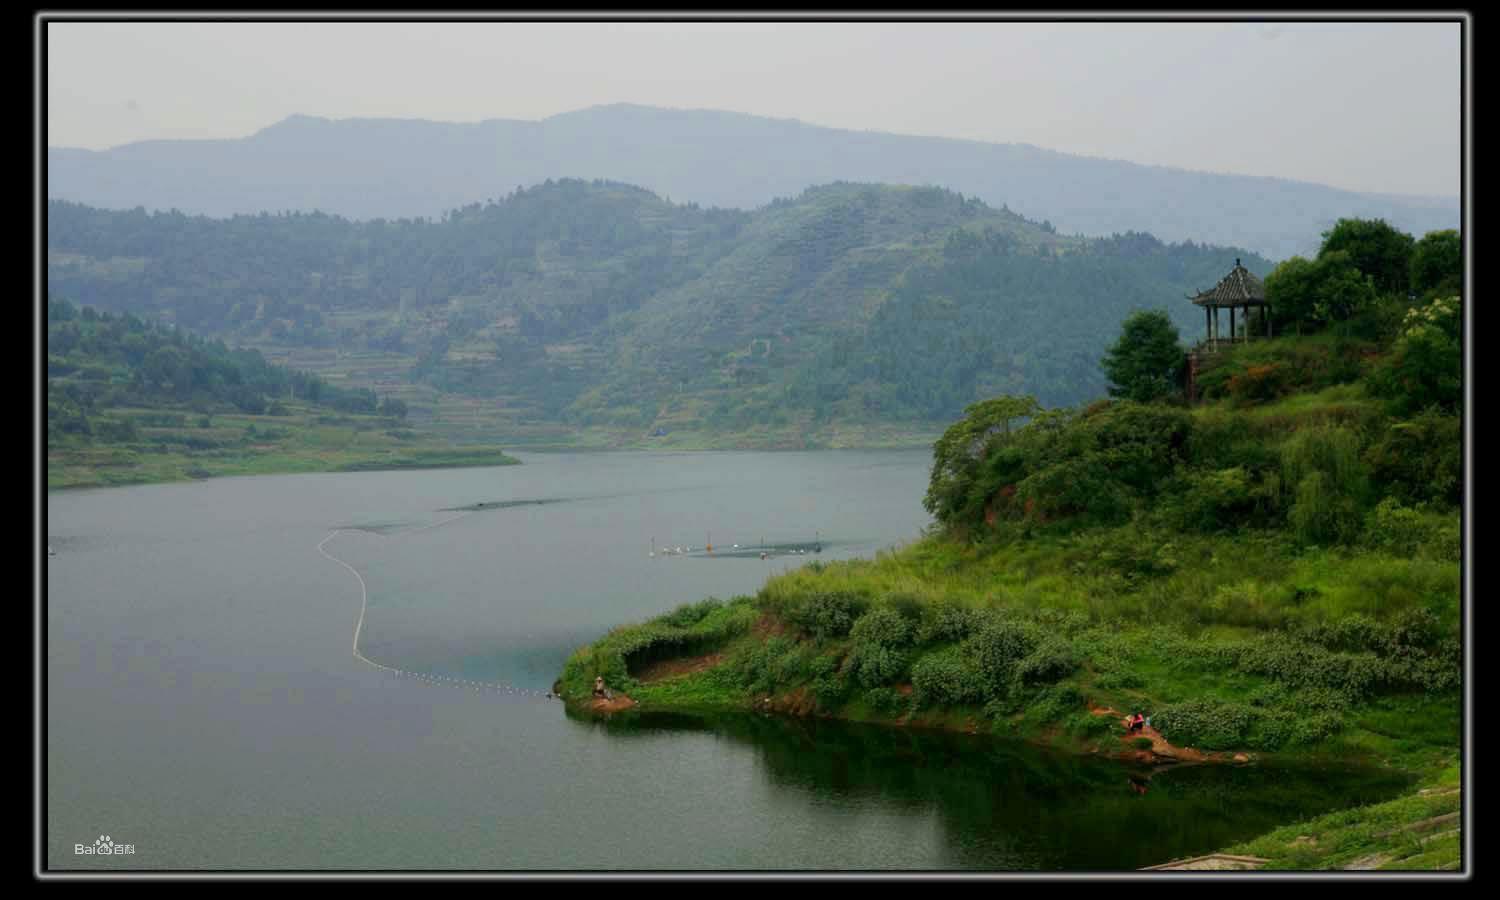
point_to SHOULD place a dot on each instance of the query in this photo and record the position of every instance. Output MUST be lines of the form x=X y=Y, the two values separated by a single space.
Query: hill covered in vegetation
x=576 y=306
x=129 y=402
x=1274 y=570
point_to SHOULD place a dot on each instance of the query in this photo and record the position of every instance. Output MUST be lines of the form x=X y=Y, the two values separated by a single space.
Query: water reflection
x=1007 y=805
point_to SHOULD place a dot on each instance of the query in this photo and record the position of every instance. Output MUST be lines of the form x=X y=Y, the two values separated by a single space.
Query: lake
x=204 y=705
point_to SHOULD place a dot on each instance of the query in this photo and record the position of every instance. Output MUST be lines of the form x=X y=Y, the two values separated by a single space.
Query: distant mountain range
x=395 y=168
x=580 y=304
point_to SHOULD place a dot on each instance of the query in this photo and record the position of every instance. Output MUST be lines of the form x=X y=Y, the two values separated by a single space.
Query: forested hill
x=600 y=304
x=97 y=362
x=131 y=401
x=368 y=168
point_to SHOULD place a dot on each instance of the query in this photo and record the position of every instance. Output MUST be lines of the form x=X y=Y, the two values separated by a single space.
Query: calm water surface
x=204 y=705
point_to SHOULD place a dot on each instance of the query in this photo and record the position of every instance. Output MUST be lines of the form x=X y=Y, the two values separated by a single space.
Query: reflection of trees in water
x=1009 y=805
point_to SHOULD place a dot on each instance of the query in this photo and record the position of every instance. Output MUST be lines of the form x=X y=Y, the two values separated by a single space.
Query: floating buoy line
x=425 y=677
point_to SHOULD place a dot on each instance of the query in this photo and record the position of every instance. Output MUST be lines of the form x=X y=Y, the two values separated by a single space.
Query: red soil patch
x=601 y=705
x=676 y=668
x=767 y=626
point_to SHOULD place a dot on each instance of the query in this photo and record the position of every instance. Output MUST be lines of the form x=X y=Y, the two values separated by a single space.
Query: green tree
x=1375 y=248
x=1292 y=291
x=1343 y=289
x=1144 y=363
x=1437 y=264
x=956 y=455
x=1307 y=294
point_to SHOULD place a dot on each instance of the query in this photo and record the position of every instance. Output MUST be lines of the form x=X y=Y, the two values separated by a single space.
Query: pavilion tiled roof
x=1238 y=288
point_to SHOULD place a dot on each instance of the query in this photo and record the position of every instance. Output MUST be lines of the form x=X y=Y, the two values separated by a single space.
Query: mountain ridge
x=365 y=168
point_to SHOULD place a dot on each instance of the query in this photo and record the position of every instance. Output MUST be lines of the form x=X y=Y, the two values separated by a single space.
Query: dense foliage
x=1437 y=264
x=1375 y=249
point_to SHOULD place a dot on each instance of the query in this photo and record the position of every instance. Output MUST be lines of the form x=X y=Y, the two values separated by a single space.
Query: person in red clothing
x=1137 y=722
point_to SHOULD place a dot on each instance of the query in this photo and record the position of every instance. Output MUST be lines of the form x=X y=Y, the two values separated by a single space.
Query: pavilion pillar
x=1208 y=325
x=1231 y=325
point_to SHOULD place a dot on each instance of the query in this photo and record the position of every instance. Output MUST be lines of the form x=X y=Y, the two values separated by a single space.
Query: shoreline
x=1419 y=829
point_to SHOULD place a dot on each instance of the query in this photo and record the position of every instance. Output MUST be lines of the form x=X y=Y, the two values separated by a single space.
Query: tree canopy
x=1374 y=248
x=1144 y=364
x=1437 y=265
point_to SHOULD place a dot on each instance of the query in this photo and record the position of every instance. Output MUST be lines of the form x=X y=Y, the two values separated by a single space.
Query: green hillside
x=598 y=313
x=129 y=402
x=1272 y=571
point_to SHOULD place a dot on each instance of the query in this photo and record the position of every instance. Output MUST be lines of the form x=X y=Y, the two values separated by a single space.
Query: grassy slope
x=1410 y=833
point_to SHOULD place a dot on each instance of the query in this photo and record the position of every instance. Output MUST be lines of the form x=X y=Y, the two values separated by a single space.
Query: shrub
x=760 y=665
x=995 y=651
x=875 y=665
x=692 y=613
x=1257 y=383
x=1277 y=729
x=828 y=615
x=1051 y=661
x=1421 y=460
x=830 y=689
x=1214 y=500
x=882 y=627
x=885 y=701
x=948 y=622
x=1085 y=724
x=910 y=607
x=944 y=678
x=1397 y=529
x=1140 y=743
x=1399 y=662
x=1054 y=703
x=1209 y=724
x=1425 y=368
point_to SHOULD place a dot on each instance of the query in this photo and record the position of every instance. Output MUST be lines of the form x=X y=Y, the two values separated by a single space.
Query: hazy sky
x=1364 y=106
